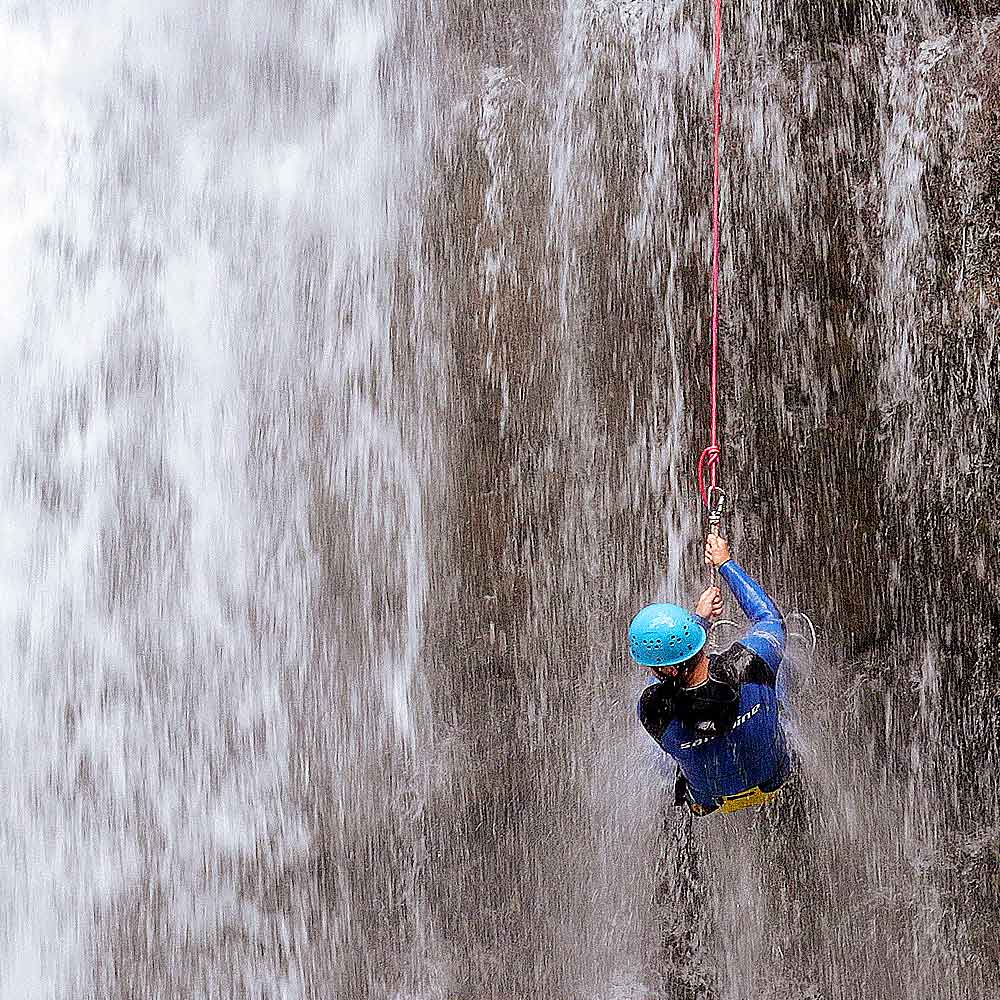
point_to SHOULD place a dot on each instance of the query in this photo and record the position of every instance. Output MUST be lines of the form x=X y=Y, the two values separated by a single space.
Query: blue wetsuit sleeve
x=766 y=635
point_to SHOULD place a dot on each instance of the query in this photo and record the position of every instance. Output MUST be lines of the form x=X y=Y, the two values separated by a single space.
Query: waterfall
x=355 y=373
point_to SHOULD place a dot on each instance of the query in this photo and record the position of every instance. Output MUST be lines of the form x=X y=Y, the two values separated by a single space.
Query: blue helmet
x=664 y=635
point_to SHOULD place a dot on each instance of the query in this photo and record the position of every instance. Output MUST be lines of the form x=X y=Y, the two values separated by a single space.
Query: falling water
x=354 y=367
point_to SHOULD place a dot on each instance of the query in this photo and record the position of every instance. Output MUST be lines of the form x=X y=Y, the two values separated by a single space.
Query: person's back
x=716 y=716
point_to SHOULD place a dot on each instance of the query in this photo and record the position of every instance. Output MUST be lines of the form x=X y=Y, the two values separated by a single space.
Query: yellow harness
x=734 y=803
x=744 y=800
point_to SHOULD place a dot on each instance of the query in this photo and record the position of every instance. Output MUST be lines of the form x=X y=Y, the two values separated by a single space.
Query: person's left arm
x=766 y=635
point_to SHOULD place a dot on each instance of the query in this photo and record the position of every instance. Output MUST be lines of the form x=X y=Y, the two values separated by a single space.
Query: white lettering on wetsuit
x=708 y=739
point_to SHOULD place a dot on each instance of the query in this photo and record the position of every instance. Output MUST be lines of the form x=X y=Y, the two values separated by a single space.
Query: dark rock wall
x=567 y=234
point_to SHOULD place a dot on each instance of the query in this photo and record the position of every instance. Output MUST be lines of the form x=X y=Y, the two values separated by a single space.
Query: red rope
x=710 y=457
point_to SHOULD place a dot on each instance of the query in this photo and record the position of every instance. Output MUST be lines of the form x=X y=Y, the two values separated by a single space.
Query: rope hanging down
x=708 y=464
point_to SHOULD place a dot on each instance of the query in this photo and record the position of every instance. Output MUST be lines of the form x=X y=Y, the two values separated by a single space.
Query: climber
x=716 y=715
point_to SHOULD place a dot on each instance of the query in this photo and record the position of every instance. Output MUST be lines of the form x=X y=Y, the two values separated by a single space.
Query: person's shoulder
x=656 y=698
x=742 y=664
x=657 y=708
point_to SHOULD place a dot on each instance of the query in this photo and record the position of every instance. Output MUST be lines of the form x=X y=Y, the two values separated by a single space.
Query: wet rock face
x=977 y=9
x=982 y=147
x=860 y=195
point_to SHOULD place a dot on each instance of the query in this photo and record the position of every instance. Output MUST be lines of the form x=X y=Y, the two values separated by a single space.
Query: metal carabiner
x=716 y=506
